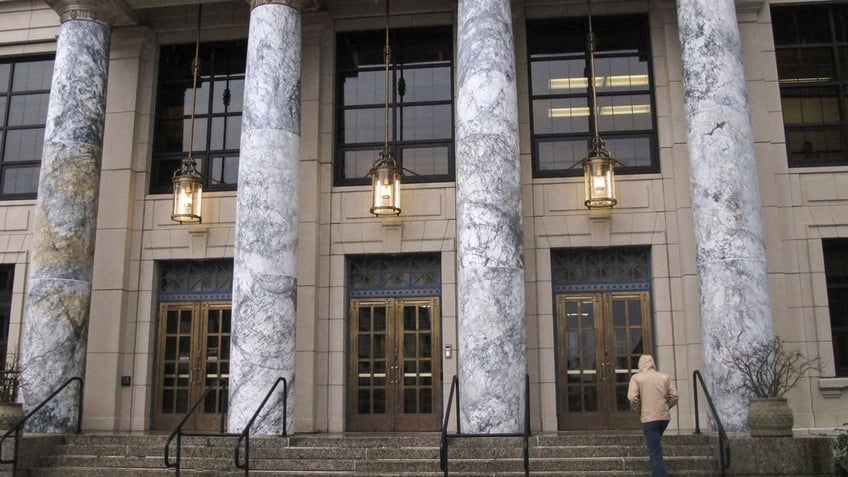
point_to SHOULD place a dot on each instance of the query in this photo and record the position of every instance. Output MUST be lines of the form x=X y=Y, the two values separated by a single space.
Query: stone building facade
x=731 y=224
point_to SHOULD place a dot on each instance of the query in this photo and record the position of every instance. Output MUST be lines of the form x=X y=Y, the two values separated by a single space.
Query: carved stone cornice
x=100 y=11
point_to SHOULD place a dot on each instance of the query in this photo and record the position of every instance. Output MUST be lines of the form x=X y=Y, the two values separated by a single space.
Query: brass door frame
x=193 y=377
x=389 y=369
x=609 y=372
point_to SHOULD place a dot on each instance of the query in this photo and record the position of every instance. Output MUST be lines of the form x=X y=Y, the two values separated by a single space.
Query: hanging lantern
x=188 y=185
x=386 y=173
x=598 y=177
x=598 y=166
x=188 y=194
x=385 y=186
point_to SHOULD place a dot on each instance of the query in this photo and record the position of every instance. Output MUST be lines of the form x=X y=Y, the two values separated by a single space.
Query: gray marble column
x=265 y=275
x=59 y=291
x=735 y=310
x=490 y=264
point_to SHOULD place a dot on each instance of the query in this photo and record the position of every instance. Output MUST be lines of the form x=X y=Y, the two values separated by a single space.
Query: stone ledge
x=831 y=388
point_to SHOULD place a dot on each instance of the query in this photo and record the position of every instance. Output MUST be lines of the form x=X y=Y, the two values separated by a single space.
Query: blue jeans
x=653 y=432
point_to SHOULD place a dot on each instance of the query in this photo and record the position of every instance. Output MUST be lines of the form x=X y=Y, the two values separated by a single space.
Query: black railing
x=18 y=428
x=245 y=434
x=179 y=433
x=443 y=447
x=723 y=443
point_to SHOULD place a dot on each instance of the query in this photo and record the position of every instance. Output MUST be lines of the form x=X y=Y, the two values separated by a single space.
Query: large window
x=217 y=129
x=561 y=100
x=836 y=273
x=24 y=94
x=811 y=45
x=420 y=97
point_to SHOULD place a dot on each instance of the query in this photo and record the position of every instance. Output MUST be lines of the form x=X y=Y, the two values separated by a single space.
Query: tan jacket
x=651 y=392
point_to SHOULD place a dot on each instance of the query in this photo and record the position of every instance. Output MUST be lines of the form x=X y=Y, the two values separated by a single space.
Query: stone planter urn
x=770 y=417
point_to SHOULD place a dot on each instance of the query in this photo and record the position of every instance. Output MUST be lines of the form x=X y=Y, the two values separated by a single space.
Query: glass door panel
x=215 y=357
x=420 y=364
x=629 y=328
x=599 y=340
x=394 y=366
x=579 y=361
x=369 y=375
x=194 y=348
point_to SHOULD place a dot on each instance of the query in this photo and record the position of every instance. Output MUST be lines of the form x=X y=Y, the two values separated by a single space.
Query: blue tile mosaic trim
x=639 y=285
x=394 y=292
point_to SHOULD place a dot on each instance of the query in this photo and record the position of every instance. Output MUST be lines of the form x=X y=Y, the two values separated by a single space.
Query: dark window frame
x=792 y=37
x=7 y=93
x=539 y=139
x=835 y=254
x=398 y=38
x=165 y=160
x=7 y=280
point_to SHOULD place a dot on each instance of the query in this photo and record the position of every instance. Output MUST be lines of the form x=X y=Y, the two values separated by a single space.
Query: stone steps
x=95 y=455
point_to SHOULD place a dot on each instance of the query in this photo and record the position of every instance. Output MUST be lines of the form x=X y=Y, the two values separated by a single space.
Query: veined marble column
x=59 y=293
x=490 y=263
x=735 y=310
x=265 y=275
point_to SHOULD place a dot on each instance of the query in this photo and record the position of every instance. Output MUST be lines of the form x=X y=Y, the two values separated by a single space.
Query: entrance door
x=394 y=371
x=600 y=338
x=194 y=351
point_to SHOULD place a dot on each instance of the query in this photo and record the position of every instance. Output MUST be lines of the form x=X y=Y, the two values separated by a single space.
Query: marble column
x=735 y=309
x=265 y=268
x=490 y=263
x=59 y=291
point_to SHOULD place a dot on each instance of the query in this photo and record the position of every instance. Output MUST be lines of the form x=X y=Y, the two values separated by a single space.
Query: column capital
x=101 y=11
x=296 y=4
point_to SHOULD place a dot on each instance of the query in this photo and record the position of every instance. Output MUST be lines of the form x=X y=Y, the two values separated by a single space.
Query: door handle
x=605 y=371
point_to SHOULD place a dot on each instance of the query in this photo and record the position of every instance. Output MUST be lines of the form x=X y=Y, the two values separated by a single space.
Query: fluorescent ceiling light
x=806 y=80
x=600 y=82
x=583 y=111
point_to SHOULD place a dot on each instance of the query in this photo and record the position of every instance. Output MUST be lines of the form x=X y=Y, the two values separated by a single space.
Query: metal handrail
x=443 y=447
x=18 y=428
x=245 y=434
x=443 y=444
x=723 y=443
x=178 y=431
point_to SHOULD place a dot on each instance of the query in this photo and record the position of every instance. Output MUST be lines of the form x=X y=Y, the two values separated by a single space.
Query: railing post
x=79 y=405
x=458 y=408
x=695 y=393
x=723 y=443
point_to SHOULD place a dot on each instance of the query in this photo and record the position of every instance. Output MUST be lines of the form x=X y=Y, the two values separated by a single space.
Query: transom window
x=420 y=101
x=415 y=274
x=561 y=100
x=597 y=266
x=217 y=129
x=191 y=280
x=24 y=94
x=811 y=47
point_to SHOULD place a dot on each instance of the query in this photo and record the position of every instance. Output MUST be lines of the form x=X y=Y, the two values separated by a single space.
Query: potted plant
x=768 y=372
x=11 y=411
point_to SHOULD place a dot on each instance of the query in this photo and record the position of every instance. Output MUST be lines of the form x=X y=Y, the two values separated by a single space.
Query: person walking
x=652 y=394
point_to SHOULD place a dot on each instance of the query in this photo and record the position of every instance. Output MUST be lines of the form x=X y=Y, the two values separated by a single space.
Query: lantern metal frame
x=188 y=183
x=386 y=174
